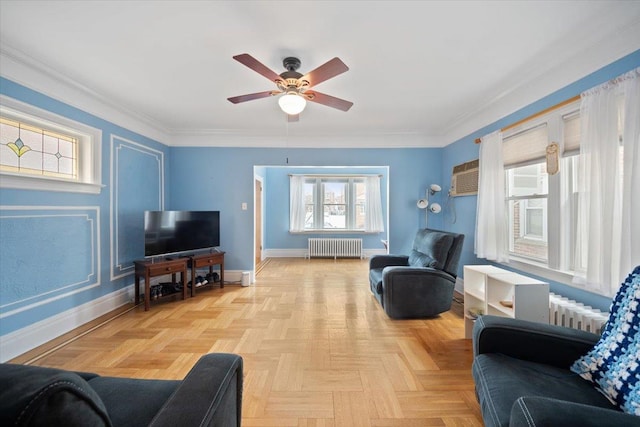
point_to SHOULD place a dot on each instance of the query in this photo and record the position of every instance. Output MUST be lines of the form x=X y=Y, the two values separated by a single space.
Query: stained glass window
x=28 y=149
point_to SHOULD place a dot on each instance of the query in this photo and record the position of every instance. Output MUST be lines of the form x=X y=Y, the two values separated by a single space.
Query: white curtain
x=374 y=220
x=296 y=206
x=608 y=225
x=492 y=236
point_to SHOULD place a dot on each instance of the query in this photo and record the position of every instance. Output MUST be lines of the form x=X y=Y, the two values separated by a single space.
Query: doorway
x=258 y=222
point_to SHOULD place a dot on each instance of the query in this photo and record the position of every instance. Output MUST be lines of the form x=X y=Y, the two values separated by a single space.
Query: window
x=337 y=203
x=527 y=192
x=541 y=208
x=37 y=151
x=42 y=151
x=565 y=181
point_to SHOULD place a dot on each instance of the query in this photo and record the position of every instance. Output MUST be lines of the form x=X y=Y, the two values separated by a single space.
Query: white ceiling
x=422 y=73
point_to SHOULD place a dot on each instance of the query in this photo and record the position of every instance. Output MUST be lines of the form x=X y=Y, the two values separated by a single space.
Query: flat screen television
x=172 y=232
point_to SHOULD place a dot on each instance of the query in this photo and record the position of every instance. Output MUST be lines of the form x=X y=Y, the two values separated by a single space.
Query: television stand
x=147 y=269
x=206 y=260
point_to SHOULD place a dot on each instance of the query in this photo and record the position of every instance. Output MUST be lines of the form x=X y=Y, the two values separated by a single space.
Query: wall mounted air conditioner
x=464 y=180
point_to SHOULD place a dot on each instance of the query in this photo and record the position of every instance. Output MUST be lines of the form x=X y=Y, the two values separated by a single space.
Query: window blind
x=525 y=147
x=571 y=133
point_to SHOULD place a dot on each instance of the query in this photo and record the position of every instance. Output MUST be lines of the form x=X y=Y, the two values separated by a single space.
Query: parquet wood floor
x=318 y=350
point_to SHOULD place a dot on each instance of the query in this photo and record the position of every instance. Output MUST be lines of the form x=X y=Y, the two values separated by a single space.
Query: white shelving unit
x=490 y=290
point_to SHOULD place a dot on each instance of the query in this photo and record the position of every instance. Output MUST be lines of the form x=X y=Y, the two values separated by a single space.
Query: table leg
x=193 y=279
x=222 y=274
x=183 y=274
x=137 y=290
x=147 y=291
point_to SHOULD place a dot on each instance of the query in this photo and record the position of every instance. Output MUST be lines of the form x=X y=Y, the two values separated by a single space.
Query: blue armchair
x=522 y=376
x=420 y=284
x=210 y=395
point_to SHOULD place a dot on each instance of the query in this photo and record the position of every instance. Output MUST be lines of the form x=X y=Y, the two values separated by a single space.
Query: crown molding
x=587 y=56
x=29 y=72
x=245 y=139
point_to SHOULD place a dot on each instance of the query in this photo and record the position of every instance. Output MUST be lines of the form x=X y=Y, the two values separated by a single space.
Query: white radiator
x=334 y=248
x=572 y=314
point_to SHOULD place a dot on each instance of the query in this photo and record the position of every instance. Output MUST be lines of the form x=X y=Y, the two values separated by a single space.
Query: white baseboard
x=284 y=253
x=368 y=253
x=235 y=276
x=18 y=342
x=459 y=286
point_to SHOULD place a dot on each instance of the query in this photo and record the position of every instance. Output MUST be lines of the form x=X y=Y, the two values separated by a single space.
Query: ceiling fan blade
x=252 y=96
x=257 y=66
x=328 y=100
x=326 y=71
x=293 y=118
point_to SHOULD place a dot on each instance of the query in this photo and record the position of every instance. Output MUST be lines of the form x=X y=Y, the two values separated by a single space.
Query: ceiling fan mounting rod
x=290 y=80
x=291 y=63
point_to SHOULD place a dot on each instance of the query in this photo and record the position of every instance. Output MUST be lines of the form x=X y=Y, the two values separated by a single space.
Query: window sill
x=541 y=270
x=25 y=182
x=531 y=241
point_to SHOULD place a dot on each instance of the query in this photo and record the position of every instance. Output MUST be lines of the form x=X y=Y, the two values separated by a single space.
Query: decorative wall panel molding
x=137 y=184
x=47 y=253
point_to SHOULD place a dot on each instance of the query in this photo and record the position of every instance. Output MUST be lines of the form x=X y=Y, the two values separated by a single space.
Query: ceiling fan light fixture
x=293 y=87
x=292 y=103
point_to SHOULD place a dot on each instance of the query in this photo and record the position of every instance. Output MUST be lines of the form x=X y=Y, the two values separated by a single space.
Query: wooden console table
x=147 y=269
x=206 y=260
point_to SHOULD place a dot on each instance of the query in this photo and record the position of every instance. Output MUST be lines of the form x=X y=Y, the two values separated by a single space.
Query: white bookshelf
x=489 y=290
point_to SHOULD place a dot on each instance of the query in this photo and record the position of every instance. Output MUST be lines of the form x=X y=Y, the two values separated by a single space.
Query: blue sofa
x=522 y=377
x=210 y=395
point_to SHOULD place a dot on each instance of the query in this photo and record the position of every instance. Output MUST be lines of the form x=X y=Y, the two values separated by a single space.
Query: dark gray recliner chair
x=210 y=395
x=522 y=377
x=420 y=284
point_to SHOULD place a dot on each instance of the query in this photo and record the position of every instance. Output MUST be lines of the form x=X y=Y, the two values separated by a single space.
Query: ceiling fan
x=293 y=86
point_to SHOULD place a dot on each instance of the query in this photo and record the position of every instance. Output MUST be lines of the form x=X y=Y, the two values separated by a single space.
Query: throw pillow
x=613 y=365
x=434 y=244
x=418 y=259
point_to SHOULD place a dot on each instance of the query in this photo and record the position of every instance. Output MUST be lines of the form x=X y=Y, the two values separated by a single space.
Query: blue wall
x=277 y=234
x=465 y=149
x=59 y=250
x=222 y=179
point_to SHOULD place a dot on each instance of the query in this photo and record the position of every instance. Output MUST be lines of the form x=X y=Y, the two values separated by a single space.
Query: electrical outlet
x=244 y=206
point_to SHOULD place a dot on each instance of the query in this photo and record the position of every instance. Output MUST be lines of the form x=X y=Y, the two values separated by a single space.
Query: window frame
x=560 y=236
x=528 y=210
x=351 y=203
x=89 y=166
x=524 y=199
